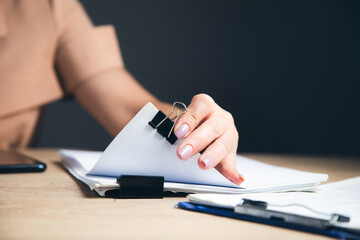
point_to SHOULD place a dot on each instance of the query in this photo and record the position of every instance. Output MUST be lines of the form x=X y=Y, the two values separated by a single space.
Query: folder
x=146 y=148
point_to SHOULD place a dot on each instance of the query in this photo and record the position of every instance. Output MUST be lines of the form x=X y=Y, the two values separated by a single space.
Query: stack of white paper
x=260 y=177
x=140 y=150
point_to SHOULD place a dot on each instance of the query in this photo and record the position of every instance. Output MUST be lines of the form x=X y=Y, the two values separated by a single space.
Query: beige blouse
x=37 y=37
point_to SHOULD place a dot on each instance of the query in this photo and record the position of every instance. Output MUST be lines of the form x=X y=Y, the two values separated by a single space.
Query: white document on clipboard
x=342 y=197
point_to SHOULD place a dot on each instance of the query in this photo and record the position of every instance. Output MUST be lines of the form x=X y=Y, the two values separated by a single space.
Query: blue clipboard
x=334 y=232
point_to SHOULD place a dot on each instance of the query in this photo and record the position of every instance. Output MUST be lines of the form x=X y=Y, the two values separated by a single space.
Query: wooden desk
x=52 y=205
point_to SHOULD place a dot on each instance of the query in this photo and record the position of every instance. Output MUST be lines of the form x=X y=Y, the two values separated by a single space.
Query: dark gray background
x=288 y=71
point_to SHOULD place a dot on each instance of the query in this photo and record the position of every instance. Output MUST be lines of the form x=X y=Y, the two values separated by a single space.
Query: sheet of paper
x=140 y=150
x=341 y=197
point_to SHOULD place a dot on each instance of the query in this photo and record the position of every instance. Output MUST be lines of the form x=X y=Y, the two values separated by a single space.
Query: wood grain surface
x=54 y=205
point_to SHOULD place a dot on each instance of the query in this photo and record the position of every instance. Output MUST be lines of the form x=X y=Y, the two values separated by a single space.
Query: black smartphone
x=13 y=162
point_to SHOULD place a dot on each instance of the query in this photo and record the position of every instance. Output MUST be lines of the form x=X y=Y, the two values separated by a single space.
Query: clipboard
x=322 y=227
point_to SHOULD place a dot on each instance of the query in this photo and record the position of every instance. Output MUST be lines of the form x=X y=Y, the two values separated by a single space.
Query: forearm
x=114 y=97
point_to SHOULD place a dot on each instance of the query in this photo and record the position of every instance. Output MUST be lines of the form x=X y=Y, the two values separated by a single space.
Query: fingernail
x=242 y=178
x=206 y=162
x=185 y=152
x=182 y=131
x=239 y=180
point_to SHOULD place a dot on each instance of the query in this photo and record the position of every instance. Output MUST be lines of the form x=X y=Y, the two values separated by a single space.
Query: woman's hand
x=208 y=127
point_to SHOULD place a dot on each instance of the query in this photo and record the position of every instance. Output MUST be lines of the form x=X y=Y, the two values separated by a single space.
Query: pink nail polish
x=182 y=131
x=207 y=162
x=185 y=152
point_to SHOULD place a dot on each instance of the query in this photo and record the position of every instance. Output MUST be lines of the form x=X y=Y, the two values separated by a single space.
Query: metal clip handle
x=181 y=107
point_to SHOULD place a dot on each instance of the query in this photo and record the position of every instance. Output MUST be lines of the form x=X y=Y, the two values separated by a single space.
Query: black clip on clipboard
x=260 y=209
x=134 y=186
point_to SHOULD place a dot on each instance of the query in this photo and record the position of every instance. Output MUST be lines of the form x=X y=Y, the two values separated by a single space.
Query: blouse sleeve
x=83 y=50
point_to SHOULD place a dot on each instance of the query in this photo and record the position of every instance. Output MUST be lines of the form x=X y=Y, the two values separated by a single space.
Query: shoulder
x=68 y=15
x=62 y=9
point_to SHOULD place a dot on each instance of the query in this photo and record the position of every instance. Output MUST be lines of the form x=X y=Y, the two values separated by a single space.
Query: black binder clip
x=165 y=125
x=132 y=186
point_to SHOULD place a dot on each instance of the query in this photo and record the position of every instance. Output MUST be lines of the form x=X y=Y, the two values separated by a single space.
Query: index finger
x=202 y=106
